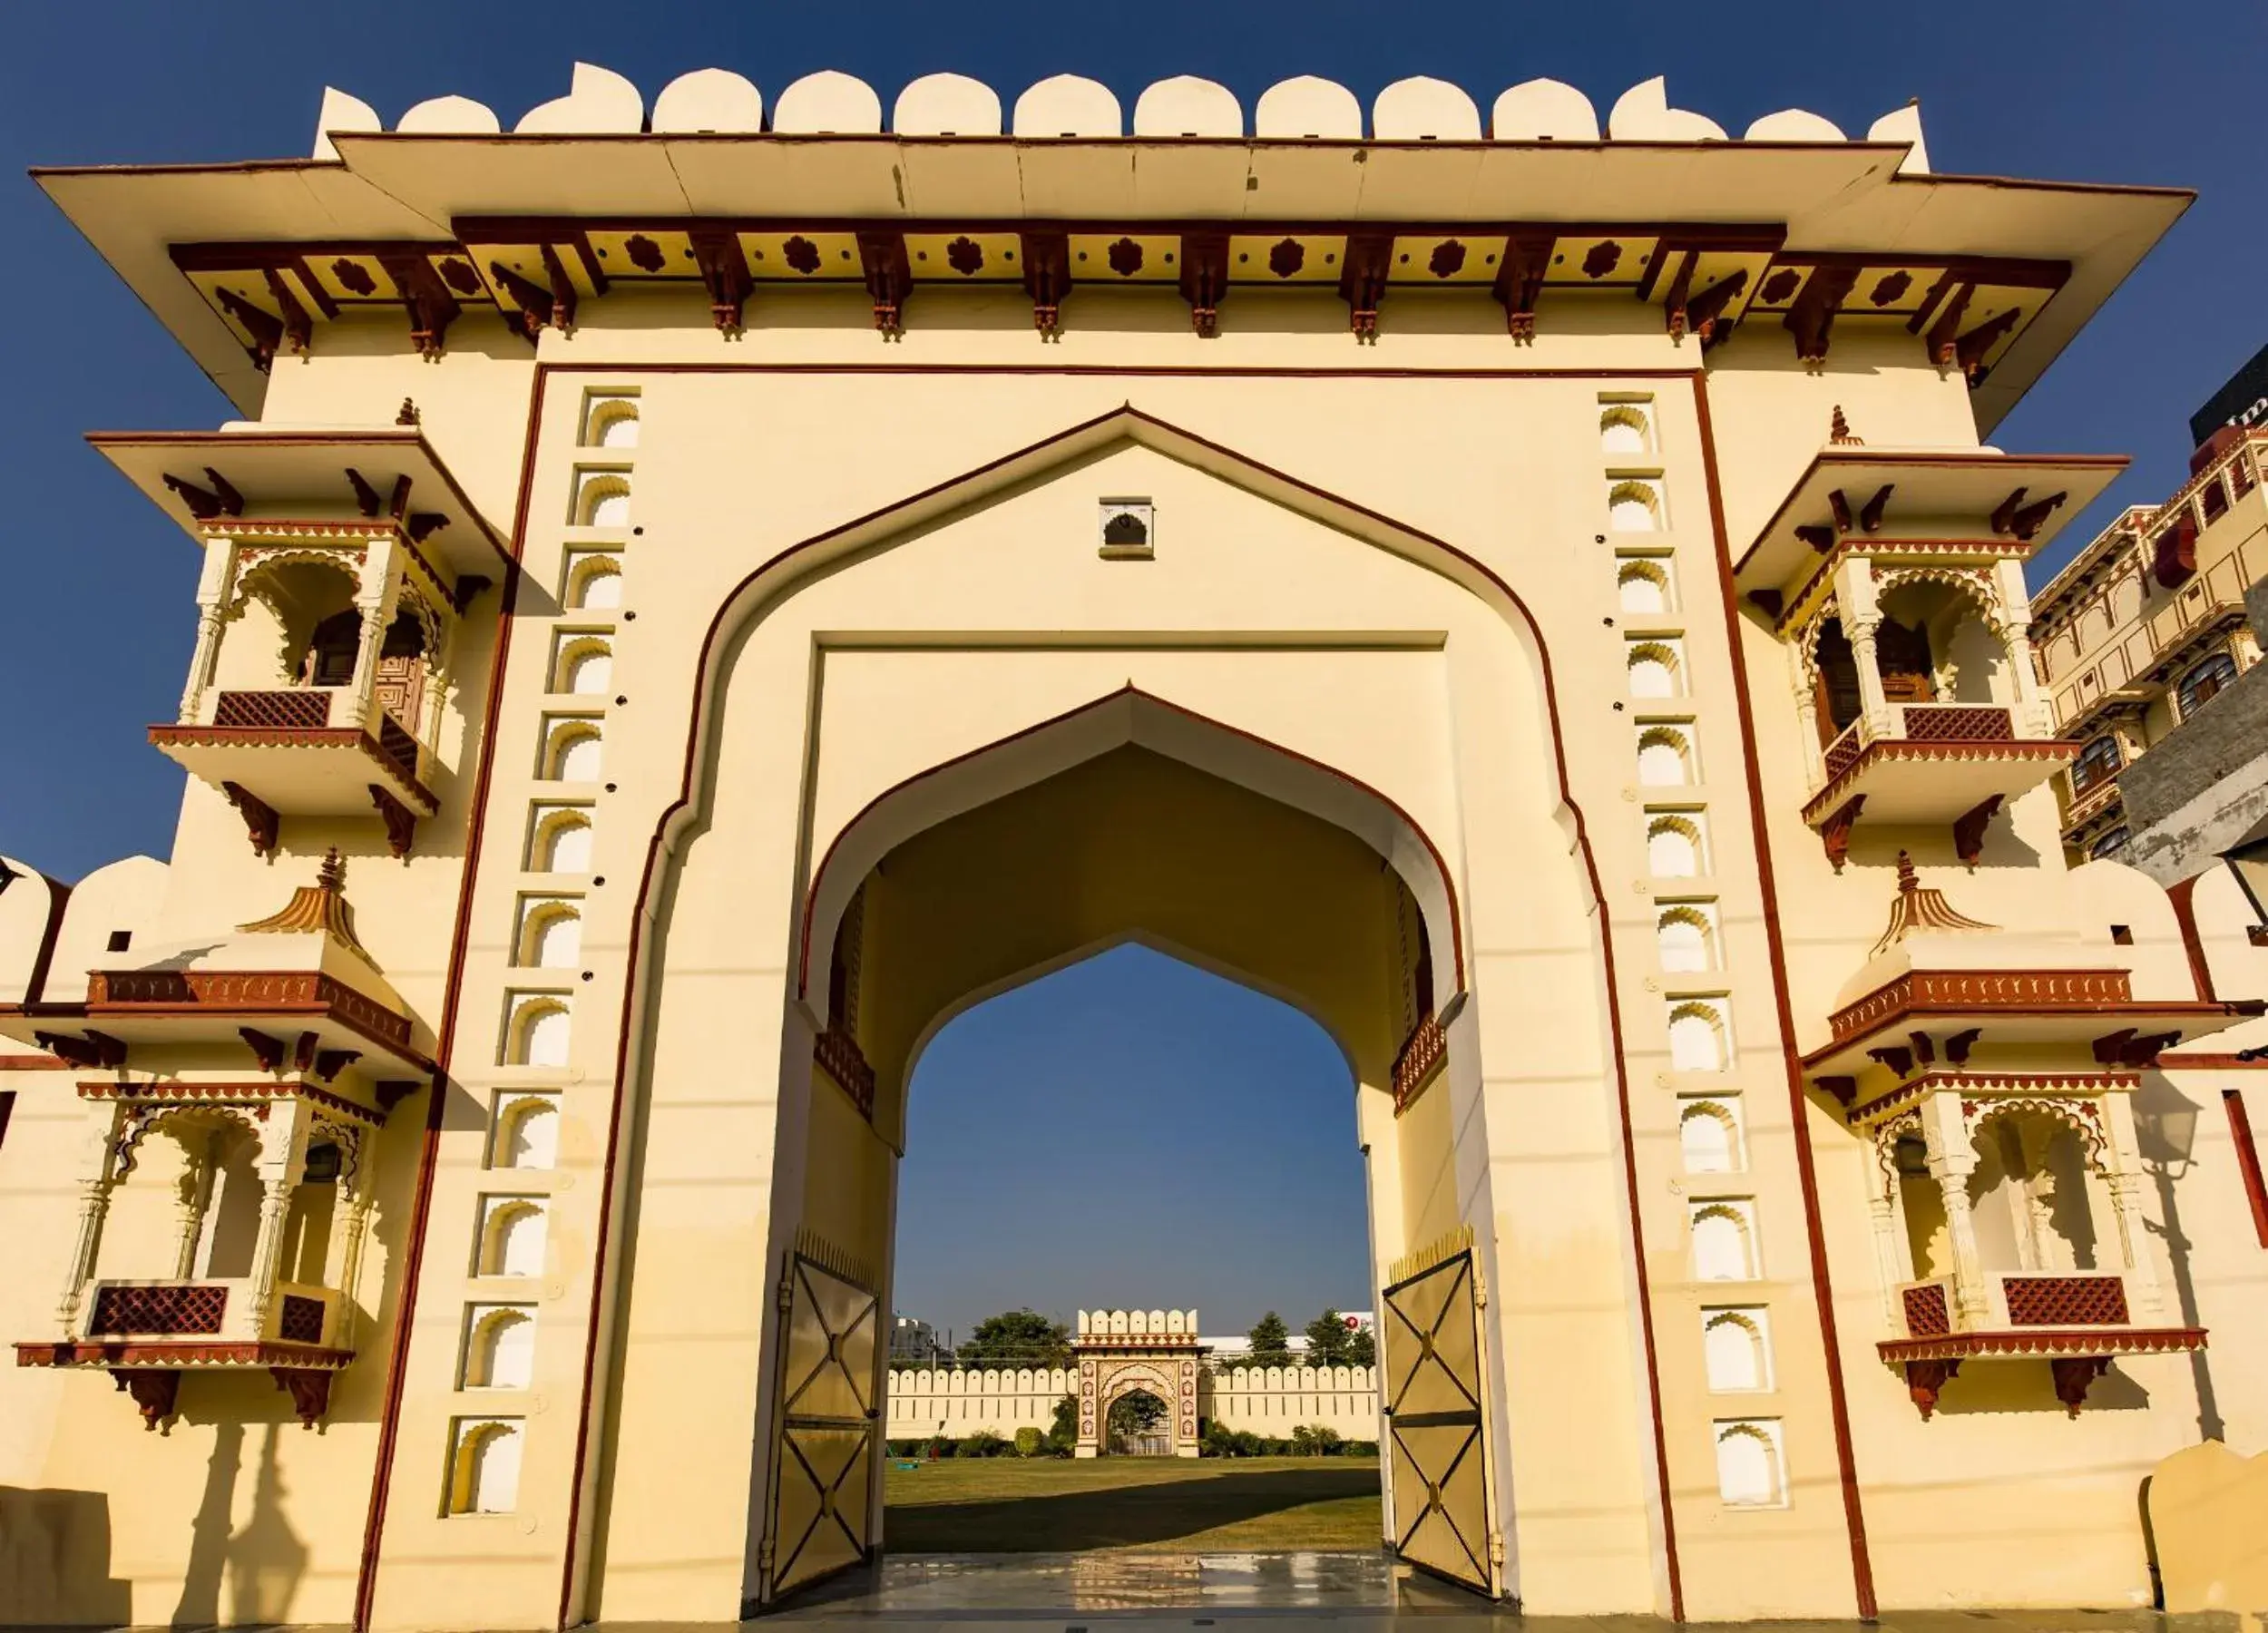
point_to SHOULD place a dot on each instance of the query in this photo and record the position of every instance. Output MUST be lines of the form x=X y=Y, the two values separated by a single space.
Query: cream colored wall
x=955 y=636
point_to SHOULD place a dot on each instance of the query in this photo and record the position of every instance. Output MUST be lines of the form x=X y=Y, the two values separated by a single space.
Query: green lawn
x=1156 y=1504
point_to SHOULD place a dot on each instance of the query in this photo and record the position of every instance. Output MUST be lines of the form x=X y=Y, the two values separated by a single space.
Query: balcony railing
x=1923 y=723
x=2017 y=1300
x=212 y=1309
x=300 y=709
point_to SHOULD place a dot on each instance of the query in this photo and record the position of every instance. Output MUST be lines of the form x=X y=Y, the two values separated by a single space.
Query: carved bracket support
x=1519 y=282
x=1046 y=278
x=1362 y=282
x=154 y=1391
x=1925 y=1379
x=1969 y=830
x=310 y=1389
x=1835 y=832
x=401 y=822
x=1205 y=279
x=1811 y=317
x=889 y=281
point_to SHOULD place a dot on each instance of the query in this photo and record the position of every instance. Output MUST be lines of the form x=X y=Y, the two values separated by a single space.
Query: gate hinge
x=1496 y=1548
x=786 y=1298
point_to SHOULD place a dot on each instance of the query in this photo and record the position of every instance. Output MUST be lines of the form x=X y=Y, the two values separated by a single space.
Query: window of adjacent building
x=2204 y=682
x=2100 y=758
x=2109 y=845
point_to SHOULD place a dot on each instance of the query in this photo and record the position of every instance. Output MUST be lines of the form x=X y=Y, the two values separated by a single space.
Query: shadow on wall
x=55 y=1559
x=260 y=1562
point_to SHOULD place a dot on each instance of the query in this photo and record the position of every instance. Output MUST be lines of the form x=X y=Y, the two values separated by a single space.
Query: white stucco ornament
x=1308 y=109
x=1643 y=113
x=341 y=112
x=708 y=100
x=946 y=104
x=599 y=101
x=829 y=103
x=1544 y=110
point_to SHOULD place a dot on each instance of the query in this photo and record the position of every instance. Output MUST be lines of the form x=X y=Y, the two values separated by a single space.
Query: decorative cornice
x=2045 y=1341
x=1825 y=802
x=1962 y=991
x=175 y=1092
x=2051 y=1084
x=193 y=1355
x=294 y=736
x=160 y=994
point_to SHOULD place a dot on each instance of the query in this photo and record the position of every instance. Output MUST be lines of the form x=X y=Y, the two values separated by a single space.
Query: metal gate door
x=1444 y=1494
x=821 y=1514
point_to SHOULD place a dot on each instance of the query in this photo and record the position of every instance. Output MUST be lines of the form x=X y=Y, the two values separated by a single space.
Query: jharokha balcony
x=339 y=566
x=244 y=1076
x=1895 y=577
x=1994 y=1075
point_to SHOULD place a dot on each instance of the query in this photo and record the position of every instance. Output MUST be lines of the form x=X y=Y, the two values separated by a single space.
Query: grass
x=1149 y=1504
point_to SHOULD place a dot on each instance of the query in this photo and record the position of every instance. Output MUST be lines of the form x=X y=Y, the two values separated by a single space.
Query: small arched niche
x=499 y=1346
x=550 y=935
x=601 y=499
x=609 y=420
x=526 y=1132
x=558 y=839
x=1709 y=1136
x=1723 y=1241
x=1748 y=1467
x=571 y=751
x=582 y=664
x=1675 y=845
x=593 y=581
x=1657 y=668
x=1635 y=505
x=1735 y=1350
x=511 y=1240
x=1666 y=755
x=1685 y=936
x=1642 y=586
x=536 y=1034
x=484 y=1466
x=1699 y=1040
x=1626 y=428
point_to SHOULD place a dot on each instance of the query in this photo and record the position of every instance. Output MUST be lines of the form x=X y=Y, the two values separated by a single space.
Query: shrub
x=1031 y=1441
x=1064 y=1433
x=982 y=1443
x=1359 y=1449
x=1316 y=1440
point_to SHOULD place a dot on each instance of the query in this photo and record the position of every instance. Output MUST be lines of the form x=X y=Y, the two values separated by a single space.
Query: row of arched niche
x=718 y=101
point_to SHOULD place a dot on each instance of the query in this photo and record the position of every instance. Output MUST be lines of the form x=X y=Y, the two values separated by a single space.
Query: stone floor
x=1353 y=1593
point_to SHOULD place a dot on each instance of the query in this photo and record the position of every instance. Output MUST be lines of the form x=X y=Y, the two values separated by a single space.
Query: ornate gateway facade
x=701 y=596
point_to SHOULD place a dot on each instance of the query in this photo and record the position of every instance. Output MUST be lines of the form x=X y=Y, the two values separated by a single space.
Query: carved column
x=2122 y=1175
x=1945 y=1133
x=2016 y=613
x=190 y=1200
x=375 y=594
x=282 y=1162
x=1890 y=1261
x=1861 y=616
x=216 y=582
x=1807 y=726
x=353 y=1231
x=97 y=1176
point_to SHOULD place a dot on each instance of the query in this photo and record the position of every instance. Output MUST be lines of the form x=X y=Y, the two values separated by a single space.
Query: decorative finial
x=318 y=907
x=1915 y=908
x=408 y=415
x=1840 y=434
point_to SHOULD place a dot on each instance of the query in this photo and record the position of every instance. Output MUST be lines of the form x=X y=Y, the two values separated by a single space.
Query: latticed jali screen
x=2066 y=1300
x=301 y=1321
x=291 y=709
x=1927 y=723
x=173 y=1309
x=1926 y=1316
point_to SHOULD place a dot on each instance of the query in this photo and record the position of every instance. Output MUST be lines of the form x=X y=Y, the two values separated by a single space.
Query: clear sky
x=95 y=601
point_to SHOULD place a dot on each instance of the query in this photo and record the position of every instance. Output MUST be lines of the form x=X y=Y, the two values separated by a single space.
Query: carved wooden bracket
x=1969 y=829
x=2129 y=1047
x=889 y=280
x=1925 y=1379
x=91 y=1050
x=1835 y=832
x=1205 y=279
x=2073 y=1375
x=393 y=1094
x=1957 y=1046
x=1047 y=277
x=1770 y=602
x=1811 y=318
x=154 y=1391
x=725 y=273
x=331 y=1062
x=260 y=820
x=401 y=822
x=309 y=1388
x=266 y=1049
x=1844 y=1088
x=431 y=308
x=223 y=500
x=266 y=329
x=1871 y=512
x=1704 y=313
x=1363 y=281
x=1519 y=282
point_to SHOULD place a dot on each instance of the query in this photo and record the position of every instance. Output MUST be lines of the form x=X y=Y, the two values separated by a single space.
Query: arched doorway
x=1337 y=813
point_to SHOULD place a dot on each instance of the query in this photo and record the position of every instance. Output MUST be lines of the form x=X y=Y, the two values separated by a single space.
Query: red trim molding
x=2044 y=1340
x=1821 y=804
x=1799 y=1103
x=2247 y=1160
x=180 y=1352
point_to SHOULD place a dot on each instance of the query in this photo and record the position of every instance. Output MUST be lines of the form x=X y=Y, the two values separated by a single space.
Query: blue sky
x=97 y=616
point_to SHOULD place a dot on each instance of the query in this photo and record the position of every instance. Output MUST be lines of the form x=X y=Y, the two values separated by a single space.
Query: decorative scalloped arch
x=2080 y=1116
x=1971 y=586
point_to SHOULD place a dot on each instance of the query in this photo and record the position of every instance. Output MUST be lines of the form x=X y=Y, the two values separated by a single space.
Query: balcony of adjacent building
x=331 y=611
x=1895 y=576
x=233 y=1085
x=1994 y=1075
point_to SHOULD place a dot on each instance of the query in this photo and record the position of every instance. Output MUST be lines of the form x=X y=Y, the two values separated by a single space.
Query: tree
x=1135 y=1415
x=1271 y=1342
x=1361 y=1348
x=1016 y=1338
x=1327 y=1340
x=1064 y=1433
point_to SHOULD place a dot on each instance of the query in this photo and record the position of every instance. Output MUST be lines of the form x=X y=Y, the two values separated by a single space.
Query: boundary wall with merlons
x=1262 y=1400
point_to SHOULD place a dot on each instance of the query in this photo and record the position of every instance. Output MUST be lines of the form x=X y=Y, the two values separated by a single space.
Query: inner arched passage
x=1130 y=845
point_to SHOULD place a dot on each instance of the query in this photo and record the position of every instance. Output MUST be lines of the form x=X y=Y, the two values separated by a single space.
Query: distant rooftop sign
x=2243 y=401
